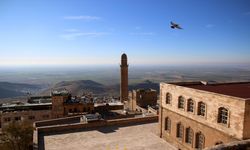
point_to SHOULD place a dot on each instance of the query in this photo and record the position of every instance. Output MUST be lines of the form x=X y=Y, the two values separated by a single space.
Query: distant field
x=111 y=74
x=48 y=77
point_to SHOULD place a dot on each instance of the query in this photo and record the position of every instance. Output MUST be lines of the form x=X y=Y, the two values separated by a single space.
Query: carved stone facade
x=193 y=117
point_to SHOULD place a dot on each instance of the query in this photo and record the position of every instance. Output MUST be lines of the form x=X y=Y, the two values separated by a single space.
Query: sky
x=89 y=32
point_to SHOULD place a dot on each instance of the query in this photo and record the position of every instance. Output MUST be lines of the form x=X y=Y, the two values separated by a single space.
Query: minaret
x=124 y=78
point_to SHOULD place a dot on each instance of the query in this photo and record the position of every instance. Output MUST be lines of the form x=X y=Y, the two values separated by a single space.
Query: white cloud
x=87 y=18
x=72 y=36
x=210 y=26
x=142 y=33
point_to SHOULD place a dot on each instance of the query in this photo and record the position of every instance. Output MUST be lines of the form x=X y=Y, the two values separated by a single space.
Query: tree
x=17 y=136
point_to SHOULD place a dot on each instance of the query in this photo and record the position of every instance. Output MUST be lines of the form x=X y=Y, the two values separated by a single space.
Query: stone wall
x=29 y=116
x=64 y=127
x=131 y=104
x=59 y=121
x=213 y=101
x=144 y=98
x=212 y=136
x=42 y=130
x=78 y=107
x=246 y=129
x=57 y=105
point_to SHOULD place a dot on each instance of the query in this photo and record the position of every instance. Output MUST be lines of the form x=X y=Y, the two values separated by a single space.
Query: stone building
x=142 y=98
x=59 y=104
x=197 y=115
x=124 y=78
x=63 y=104
x=58 y=99
x=25 y=112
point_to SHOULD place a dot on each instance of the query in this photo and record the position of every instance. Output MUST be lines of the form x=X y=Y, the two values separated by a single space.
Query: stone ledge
x=237 y=145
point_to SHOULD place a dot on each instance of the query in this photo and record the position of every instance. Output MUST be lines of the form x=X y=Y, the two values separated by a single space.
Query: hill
x=147 y=84
x=8 y=89
x=80 y=86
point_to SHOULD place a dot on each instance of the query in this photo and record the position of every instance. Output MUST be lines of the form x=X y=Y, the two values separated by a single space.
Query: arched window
x=179 y=132
x=201 y=109
x=190 y=105
x=199 y=141
x=223 y=115
x=189 y=135
x=181 y=102
x=167 y=124
x=168 y=98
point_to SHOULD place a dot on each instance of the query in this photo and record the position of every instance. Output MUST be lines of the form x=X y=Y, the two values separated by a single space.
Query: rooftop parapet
x=145 y=90
x=39 y=99
x=236 y=89
x=60 y=93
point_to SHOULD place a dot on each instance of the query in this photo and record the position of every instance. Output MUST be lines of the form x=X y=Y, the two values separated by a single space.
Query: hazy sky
x=99 y=31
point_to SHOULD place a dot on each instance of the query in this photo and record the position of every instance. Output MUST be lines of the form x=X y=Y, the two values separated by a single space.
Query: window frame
x=199 y=109
x=179 y=131
x=197 y=140
x=188 y=104
x=181 y=99
x=168 y=124
x=168 y=98
x=219 y=116
x=187 y=136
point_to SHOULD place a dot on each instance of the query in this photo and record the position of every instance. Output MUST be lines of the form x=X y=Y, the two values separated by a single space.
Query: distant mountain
x=80 y=86
x=8 y=90
x=145 y=85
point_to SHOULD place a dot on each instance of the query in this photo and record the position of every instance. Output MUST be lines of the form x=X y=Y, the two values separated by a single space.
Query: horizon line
x=118 y=64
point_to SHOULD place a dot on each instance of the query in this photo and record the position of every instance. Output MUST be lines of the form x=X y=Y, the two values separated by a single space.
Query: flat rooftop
x=136 y=137
x=110 y=104
x=60 y=93
x=240 y=89
x=25 y=106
